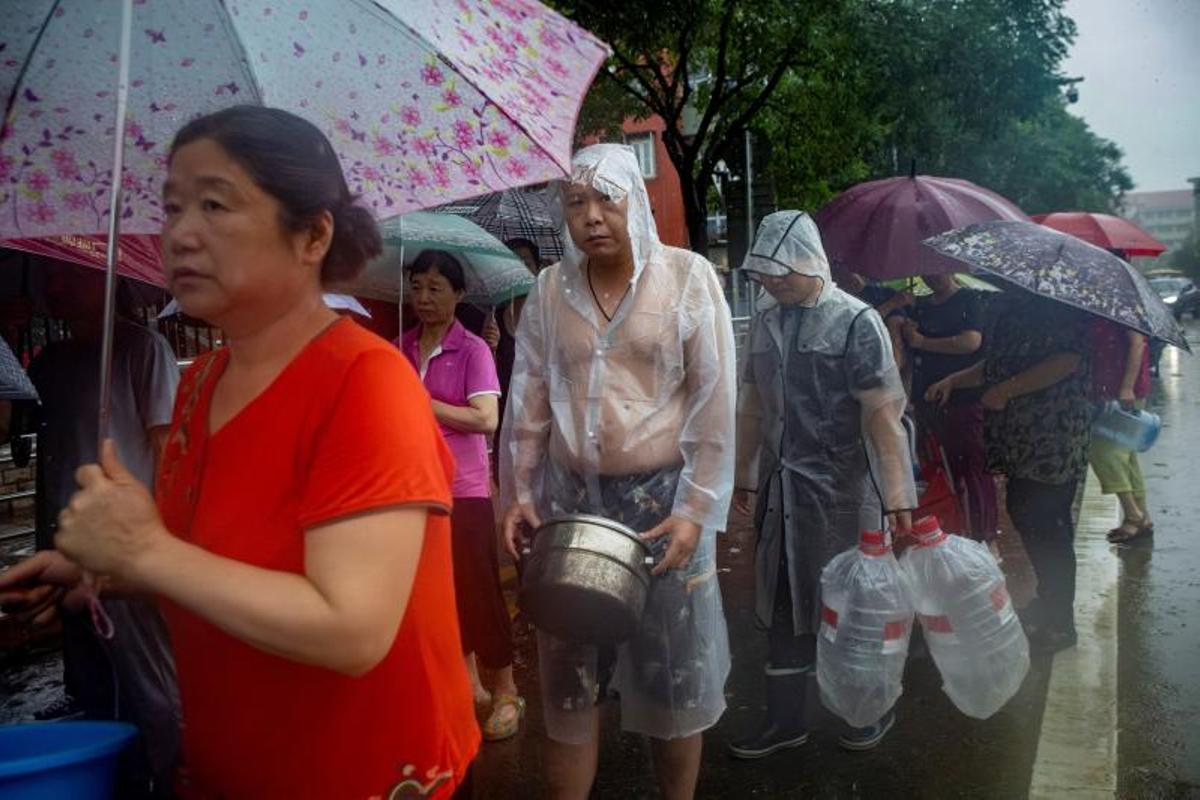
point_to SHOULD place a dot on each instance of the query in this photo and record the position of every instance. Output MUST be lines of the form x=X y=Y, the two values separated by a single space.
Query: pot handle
x=527 y=535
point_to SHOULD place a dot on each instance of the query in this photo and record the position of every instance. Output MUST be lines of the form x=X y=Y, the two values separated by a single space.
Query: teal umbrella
x=494 y=274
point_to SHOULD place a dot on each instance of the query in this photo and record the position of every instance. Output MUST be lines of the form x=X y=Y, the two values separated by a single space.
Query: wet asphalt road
x=933 y=751
x=1159 y=609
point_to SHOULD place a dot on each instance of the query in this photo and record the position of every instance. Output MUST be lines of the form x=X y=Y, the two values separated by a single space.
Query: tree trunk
x=695 y=212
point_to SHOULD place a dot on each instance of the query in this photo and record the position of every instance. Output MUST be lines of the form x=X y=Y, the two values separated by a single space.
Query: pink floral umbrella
x=426 y=102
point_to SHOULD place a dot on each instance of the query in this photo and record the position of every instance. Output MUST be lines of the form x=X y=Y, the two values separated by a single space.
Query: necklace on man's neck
x=608 y=317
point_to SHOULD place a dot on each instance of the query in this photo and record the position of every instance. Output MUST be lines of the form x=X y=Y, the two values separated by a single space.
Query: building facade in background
x=1167 y=216
x=662 y=181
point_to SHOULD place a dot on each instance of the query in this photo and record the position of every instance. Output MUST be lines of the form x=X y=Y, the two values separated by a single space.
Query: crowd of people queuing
x=297 y=541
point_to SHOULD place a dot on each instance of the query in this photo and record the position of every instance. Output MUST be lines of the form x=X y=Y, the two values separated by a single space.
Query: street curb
x=1077 y=748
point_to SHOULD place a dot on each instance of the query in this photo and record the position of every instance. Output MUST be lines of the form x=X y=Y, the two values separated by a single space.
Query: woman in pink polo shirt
x=459 y=373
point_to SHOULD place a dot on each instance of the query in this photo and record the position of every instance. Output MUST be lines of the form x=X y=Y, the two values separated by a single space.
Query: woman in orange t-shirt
x=301 y=542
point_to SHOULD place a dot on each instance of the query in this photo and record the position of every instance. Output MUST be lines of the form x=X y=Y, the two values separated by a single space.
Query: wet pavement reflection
x=933 y=751
x=1159 y=616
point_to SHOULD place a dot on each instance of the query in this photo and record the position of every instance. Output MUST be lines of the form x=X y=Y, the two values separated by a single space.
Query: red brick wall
x=666 y=198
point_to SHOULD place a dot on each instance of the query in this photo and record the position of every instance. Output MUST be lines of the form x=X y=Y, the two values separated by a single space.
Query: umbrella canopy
x=1104 y=230
x=919 y=288
x=141 y=257
x=14 y=383
x=1164 y=273
x=1065 y=269
x=494 y=274
x=876 y=228
x=514 y=214
x=338 y=302
x=425 y=102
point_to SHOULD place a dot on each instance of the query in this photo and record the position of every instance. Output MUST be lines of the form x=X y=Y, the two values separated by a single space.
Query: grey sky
x=1141 y=64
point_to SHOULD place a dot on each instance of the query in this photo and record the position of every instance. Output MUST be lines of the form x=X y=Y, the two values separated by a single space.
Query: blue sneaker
x=869 y=737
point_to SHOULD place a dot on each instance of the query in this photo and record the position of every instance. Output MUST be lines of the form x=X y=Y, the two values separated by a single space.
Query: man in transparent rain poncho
x=822 y=442
x=622 y=405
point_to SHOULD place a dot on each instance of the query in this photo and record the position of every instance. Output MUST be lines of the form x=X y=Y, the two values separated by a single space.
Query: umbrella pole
x=114 y=222
x=400 y=284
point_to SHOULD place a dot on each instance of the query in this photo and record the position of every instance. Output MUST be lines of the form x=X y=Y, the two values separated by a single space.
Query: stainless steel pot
x=585 y=579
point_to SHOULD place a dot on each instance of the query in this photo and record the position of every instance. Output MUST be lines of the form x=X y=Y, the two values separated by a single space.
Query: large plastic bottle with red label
x=967 y=617
x=866 y=618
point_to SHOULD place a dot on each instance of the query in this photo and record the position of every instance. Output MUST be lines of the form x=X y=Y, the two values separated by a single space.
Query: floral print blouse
x=1042 y=436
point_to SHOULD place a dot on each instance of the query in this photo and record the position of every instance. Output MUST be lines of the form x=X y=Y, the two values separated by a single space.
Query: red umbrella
x=1104 y=230
x=876 y=228
x=140 y=257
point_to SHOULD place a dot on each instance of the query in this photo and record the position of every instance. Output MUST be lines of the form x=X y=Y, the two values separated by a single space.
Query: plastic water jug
x=970 y=626
x=1133 y=429
x=866 y=619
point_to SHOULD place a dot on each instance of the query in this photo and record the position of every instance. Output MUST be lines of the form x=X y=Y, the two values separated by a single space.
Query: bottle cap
x=875 y=543
x=928 y=531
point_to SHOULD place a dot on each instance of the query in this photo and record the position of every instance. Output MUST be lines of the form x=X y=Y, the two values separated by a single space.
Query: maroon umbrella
x=876 y=228
x=140 y=258
x=1104 y=230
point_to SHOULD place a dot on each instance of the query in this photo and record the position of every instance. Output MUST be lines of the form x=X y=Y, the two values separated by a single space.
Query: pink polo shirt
x=461 y=368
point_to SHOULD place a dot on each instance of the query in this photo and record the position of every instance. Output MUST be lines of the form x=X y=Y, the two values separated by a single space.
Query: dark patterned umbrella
x=514 y=214
x=1065 y=269
x=14 y=383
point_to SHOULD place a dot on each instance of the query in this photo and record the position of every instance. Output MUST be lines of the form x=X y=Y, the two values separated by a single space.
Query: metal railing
x=739 y=293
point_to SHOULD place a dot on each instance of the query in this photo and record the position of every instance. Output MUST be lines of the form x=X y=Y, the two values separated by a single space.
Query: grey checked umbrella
x=514 y=214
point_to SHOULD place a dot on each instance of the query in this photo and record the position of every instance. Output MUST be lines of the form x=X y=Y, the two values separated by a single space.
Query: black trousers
x=1041 y=513
x=786 y=650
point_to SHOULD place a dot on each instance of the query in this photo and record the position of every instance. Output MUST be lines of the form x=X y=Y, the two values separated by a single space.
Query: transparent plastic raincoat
x=631 y=420
x=820 y=431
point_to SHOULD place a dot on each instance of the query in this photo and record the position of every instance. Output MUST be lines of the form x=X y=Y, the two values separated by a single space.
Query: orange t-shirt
x=345 y=428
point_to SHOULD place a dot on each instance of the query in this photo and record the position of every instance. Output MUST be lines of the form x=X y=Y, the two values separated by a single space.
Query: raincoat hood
x=788 y=242
x=611 y=169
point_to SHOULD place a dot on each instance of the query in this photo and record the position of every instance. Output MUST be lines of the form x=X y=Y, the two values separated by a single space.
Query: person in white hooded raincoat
x=622 y=405
x=822 y=442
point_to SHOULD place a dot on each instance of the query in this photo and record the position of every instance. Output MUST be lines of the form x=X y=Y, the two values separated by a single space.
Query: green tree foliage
x=604 y=109
x=1187 y=258
x=851 y=90
x=822 y=135
x=1053 y=162
x=960 y=89
x=707 y=67
x=950 y=76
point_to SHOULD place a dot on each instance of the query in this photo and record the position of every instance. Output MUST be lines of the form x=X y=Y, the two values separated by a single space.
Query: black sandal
x=1123 y=535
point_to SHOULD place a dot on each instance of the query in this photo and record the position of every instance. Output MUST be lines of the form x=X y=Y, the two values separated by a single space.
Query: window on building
x=643 y=148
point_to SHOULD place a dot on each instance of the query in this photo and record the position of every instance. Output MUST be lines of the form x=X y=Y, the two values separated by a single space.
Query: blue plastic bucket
x=52 y=760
